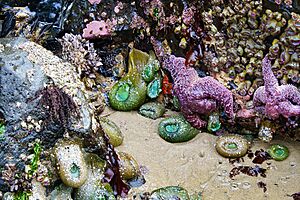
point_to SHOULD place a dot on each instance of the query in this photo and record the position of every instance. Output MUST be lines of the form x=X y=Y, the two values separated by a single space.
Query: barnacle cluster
x=285 y=53
x=237 y=45
x=82 y=54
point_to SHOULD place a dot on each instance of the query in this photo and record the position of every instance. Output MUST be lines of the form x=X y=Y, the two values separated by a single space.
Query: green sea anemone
x=232 y=146
x=214 y=123
x=150 y=70
x=176 y=129
x=278 y=152
x=154 y=88
x=129 y=93
x=72 y=168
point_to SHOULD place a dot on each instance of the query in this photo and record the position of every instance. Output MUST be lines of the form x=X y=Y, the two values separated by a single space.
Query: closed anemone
x=152 y=110
x=170 y=192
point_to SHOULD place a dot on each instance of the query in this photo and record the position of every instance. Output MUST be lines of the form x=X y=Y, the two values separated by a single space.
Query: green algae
x=22 y=195
x=34 y=163
x=2 y=128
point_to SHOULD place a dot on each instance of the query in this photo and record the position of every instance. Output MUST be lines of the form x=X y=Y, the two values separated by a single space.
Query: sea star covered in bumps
x=274 y=100
x=197 y=96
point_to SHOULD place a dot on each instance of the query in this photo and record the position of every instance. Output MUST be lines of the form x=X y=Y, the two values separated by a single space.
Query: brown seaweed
x=60 y=105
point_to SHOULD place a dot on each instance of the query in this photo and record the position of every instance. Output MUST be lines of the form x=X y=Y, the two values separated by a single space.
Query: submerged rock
x=170 y=192
x=112 y=131
x=72 y=168
x=152 y=110
x=38 y=191
x=26 y=68
x=176 y=129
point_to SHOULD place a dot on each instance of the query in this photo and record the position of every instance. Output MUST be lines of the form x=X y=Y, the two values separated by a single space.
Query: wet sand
x=196 y=166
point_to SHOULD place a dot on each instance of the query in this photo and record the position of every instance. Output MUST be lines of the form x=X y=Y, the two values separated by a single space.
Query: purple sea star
x=274 y=100
x=197 y=96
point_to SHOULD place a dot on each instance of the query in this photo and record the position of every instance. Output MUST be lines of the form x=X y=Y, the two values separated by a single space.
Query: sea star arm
x=194 y=119
x=290 y=93
x=215 y=90
x=270 y=81
x=287 y=109
x=259 y=97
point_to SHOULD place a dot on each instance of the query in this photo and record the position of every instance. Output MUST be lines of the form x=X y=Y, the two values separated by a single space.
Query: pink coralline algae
x=274 y=100
x=96 y=29
x=197 y=96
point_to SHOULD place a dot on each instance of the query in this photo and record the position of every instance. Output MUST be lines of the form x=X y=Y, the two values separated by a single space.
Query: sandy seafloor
x=196 y=166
